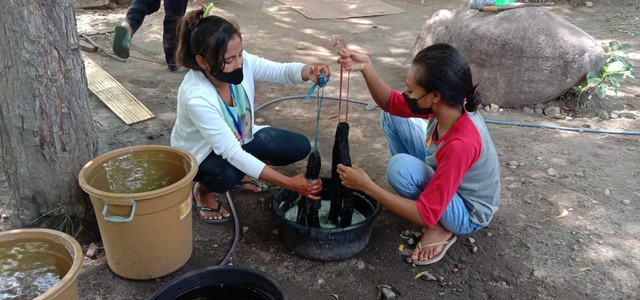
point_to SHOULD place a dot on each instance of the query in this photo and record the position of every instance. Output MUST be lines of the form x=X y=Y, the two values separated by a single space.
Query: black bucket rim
x=269 y=278
x=366 y=222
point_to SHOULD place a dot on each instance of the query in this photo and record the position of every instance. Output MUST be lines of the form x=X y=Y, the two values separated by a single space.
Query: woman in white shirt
x=215 y=114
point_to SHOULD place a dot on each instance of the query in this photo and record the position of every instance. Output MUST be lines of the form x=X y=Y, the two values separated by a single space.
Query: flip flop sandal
x=217 y=209
x=121 y=41
x=262 y=186
x=440 y=255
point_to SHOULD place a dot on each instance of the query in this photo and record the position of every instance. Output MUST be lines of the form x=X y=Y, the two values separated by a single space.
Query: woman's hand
x=312 y=72
x=302 y=186
x=353 y=61
x=354 y=178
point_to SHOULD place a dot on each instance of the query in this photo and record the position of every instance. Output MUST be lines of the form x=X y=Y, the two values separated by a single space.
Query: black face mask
x=413 y=105
x=233 y=77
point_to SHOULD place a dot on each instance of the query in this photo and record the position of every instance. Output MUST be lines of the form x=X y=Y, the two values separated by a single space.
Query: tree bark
x=46 y=129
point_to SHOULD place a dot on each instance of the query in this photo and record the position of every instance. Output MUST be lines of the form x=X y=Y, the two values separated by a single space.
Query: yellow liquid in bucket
x=141 y=172
x=27 y=270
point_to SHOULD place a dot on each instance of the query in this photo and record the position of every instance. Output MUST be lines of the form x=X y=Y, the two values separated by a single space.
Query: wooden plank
x=341 y=9
x=114 y=95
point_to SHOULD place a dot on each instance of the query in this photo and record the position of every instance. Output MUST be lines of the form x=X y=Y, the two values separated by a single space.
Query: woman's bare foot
x=206 y=198
x=431 y=235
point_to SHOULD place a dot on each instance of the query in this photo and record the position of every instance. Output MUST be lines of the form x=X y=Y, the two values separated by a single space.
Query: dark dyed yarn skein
x=341 y=203
x=307 y=208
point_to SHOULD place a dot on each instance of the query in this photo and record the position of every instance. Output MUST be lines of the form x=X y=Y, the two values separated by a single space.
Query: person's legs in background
x=173 y=11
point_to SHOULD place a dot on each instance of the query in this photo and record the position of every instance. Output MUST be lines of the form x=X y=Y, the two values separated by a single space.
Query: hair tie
x=207 y=11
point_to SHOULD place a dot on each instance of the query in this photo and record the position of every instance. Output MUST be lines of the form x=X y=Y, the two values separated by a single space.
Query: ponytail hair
x=473 y=100
x=442 y=68
x=207 y=37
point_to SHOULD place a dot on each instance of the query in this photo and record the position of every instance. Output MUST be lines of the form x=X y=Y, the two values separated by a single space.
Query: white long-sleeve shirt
x=200 y=125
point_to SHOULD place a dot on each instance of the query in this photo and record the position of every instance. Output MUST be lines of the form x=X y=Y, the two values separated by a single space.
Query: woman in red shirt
x=443 y=165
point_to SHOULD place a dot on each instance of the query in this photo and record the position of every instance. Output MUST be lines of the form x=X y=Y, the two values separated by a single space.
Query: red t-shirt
x=455 y=153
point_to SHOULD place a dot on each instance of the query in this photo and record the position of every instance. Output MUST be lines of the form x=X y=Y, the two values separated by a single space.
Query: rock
x=512 y=167
x=487 y=108
x=472 y=240
x=513 y=163
x=604 y=115
x=277 y=108
x=320 y=281
x=552 y=111
x=91 y=3
x=360 y=265
x=530 y=43
x=538 y=111
x=514 y=185
x=275 y=231
x=494 y=107
x=539 y=274
x=502 y=283
x=500 y=109
x=588 y=4
x=94 y=250
x=536 y=175
x=245 y=229
x=489 y=234
x=626 y=201
x=408 y=260
x=539 y=158
x=301 y=46
x=509 y=179
x=614 y=116
x=387 y=293
x=528 y=110
x=259 y=120
x=585 y=125
x=552 y=172
x=474 y=249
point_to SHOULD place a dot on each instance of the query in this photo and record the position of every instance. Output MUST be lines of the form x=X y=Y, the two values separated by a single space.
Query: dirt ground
x=527 y=252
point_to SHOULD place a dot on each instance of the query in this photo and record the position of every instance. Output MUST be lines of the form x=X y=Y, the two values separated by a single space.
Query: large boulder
x=519 y=57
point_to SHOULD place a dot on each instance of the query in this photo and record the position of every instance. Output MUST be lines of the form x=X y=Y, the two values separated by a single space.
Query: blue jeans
x=409 y=174
x=273 y=146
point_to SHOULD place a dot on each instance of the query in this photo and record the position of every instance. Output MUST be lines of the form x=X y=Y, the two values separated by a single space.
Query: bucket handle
x=117 y=219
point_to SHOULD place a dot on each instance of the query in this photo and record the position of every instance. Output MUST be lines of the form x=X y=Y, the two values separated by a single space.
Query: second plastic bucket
x=60 y=249
x=142 y=199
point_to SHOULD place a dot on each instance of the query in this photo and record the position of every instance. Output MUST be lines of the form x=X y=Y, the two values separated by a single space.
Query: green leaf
x=614 y=82
x=593 y=77
x=601 y=92
x=625 y=62
x=615 y=67
x=614 y=45
x=624 y=47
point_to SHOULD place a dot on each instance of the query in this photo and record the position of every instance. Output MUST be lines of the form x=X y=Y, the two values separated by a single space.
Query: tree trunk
x=46 y=129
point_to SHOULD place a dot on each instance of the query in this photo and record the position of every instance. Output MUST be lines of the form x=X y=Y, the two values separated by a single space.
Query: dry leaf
x=421 y=274
x=401 y=247
x=563 y=214
x=335 y=296
x=586 y=269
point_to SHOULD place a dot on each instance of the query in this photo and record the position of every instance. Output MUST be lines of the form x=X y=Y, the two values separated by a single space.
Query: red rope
x=346 y=115
x=340 y=93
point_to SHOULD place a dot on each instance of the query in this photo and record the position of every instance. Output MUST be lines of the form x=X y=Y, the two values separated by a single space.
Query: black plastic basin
x=325 y=244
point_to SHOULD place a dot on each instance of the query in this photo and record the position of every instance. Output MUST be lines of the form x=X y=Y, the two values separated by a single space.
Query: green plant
x=615 y=69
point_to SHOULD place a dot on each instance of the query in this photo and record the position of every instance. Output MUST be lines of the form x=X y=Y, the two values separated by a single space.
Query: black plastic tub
x=223 y=282
x=325 y=244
